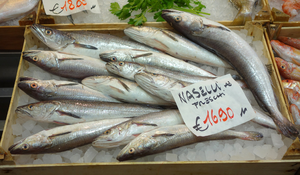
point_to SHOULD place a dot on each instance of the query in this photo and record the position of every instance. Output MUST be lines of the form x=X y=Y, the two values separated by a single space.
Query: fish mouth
x=111 y=67
x=166 y=11
x=35 y=29
x=12 y=149
x=22 y=111
x=106 y=56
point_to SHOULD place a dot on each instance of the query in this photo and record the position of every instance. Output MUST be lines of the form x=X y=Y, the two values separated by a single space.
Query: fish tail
x=287 y=128
x=241 y=18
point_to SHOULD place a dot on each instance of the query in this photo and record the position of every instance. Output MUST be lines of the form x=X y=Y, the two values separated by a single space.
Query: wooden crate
x=205 y=167
x=294 y=151
x=264 y=16
x=12 y=37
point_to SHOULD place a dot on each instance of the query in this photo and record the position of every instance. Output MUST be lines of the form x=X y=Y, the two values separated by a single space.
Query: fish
x=239 y=54
x=129 y=69
x=66 y=112
x=286 y=52
x=291 y=84
x=154 y=59
x=123 y=90
x=66 y=65
x=287 y=69
x=245 y=8
x=10 y=9
x=263 y=119
x=170 y=137
x=123 y=133
x=174 y=45
x=159 y=85
x=293 y=96
x=60 y=90
x=290 y=7
x=82 y=42
x=294 y=42
x=63 y=138
x=294 y=110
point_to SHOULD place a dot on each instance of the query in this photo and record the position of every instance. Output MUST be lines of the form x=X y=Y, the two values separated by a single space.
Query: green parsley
x=154 y=6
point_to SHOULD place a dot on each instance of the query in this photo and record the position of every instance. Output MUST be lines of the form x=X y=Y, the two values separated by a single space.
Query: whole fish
x=66 y=65
x=288 y=70
x=245 y=8
x=60 y=90
x=170 y=137
x=228 y=45
x=294 y=42
x=10 y=9
x=73 y=111
x=159 y=85
x=154 y=59
x=286 y=52
x=82 y=42
x=125 y=132
x=294 y=110
x=63 y=138
x=174 y=44
x=129 y=69
x=122 y=90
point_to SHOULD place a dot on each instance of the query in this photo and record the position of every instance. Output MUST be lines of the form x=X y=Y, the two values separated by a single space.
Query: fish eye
x=113 y=59
x=178 y=18
x=25 y=147
x=131 y=150
x=30 y=107
x=48 y=32
x=33 y=85
x=107 y=132
x=121 y=63
x=282 y=67
x=35 y=58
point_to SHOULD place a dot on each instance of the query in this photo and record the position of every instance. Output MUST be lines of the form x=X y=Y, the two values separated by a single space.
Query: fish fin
x=68 y=114
x=143 y=55
x=144 y=124
x=287 y=128
x=60 y=134
x=124 y=85
x=170 y=36
x=120 y=91
x=140 y=50
x=85 y=46
x=65 y=59
x=61 y=123
x=163 y=134
x=269 y=68
x=68 y=84
x=161 y=46
x=295 y=61
x=215 y=26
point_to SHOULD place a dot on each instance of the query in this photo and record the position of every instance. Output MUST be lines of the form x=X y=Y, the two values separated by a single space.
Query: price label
x=68 y=7
x=210 y=107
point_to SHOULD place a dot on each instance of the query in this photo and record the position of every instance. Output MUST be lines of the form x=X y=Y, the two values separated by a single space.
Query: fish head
x=124 y=69
x=53 y=38
x=115 y=55
x=142 y=34
x=37 y=89
x=288 y=83
x=283 y=66
x=40 y=111
x=31 y=145
x=44 y=59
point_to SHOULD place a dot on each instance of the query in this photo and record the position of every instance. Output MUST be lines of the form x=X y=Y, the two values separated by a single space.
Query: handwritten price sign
x=68 y=7
x=213 y=106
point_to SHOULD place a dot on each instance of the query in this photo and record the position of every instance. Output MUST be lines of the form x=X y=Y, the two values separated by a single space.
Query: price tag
x=68 y=7
x=213 y=106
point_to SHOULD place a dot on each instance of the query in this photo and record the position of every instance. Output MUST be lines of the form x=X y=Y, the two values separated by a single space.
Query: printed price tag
x=213 y=106
x=68 y=7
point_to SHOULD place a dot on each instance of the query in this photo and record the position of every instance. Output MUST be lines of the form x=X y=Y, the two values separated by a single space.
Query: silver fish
x=60 y=90
x=73 y=111
x=82 y=42
x=63 y=138
x=154 y=59
x=239 y=54
x=66 y=65
x=122 y=90
x=174 y=44
x=169 y=137
x=125 y=132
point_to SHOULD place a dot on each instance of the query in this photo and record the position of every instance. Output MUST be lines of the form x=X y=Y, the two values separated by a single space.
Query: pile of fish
x=288 y=63
x=127 y=101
